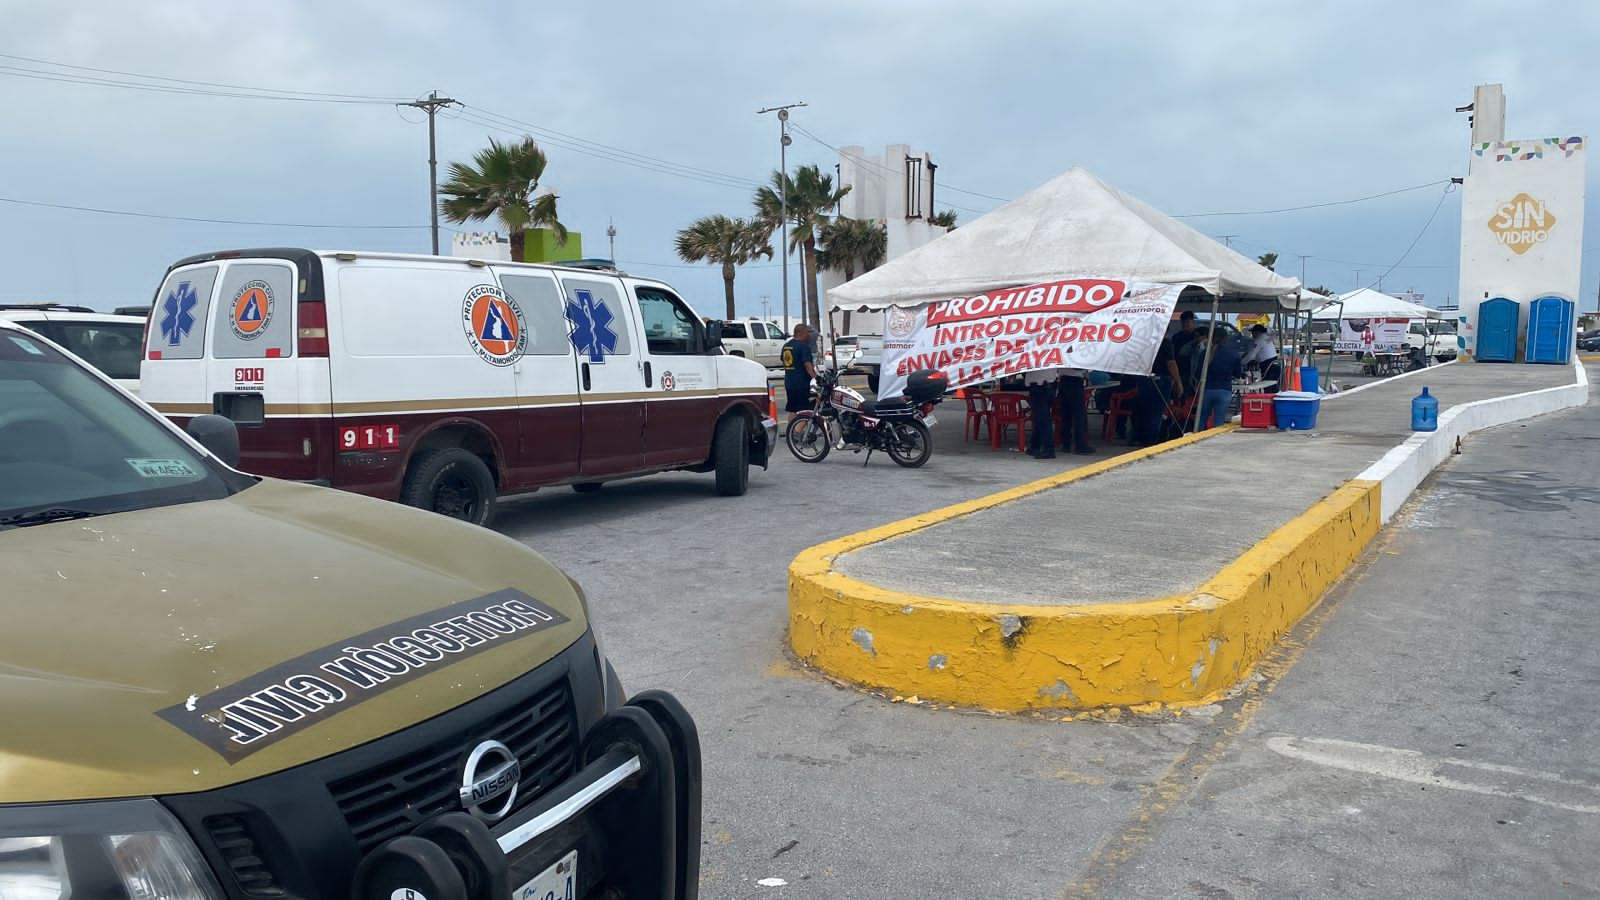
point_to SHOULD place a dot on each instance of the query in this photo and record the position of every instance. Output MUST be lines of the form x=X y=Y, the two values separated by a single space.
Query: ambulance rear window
x=178 y=323
x=252 y=318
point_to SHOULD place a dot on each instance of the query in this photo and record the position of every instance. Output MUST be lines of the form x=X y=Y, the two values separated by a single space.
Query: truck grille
x=395 y=797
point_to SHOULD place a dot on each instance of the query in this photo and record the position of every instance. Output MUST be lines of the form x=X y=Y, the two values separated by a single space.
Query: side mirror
x=218 y=435
x=713 y=335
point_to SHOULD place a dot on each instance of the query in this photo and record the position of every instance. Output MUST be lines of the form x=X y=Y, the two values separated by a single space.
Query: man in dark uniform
x=1162 y=387
x=798 y=370
x=1041 y=399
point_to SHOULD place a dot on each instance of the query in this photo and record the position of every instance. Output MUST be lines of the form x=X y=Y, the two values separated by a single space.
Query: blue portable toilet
x=1550 y=329
x=1497 y=330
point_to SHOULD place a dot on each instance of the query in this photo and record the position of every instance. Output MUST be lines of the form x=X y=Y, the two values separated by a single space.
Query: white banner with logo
x=1371 y=335
x=1105 y=324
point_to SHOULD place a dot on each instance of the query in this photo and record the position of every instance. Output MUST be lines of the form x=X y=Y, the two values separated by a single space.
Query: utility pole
x=1303 y=258
x=783 y=195
x=766 y=306
x=432 y=105
x=1358 y=279
x=611 y=235
x=1227 y=240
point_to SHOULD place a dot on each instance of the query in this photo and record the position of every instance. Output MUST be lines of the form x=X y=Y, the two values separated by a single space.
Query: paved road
x=1428 y=731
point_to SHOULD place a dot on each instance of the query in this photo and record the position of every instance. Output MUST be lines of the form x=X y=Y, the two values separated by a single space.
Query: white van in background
x=445 y=382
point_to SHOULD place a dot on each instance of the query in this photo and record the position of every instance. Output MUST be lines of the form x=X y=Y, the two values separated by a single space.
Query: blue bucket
x=1308 y=379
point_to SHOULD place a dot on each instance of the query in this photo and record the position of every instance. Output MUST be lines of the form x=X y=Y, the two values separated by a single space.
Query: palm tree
x=504 y=179
x=946 y=219
x=851 y=243
x=1268 y=261
x=730 y=242
x=810 y=198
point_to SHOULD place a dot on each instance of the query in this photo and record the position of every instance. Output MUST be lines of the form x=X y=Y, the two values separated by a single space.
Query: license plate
x=559 y=882
x=929 y=420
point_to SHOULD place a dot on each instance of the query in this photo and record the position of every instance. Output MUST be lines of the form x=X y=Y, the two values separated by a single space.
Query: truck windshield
x=72 y=446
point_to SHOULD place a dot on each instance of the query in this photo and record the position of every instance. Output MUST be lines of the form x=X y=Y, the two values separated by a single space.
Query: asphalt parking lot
x=1322 y=779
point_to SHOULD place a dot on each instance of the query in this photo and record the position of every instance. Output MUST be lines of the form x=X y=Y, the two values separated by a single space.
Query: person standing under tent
x=1220 y=373
x=1264 y=354
x=1155 y=393
x=1041 y=399
x=1074 y=411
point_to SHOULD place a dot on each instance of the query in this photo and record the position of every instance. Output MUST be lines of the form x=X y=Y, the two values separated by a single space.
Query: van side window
x=670 y=327
x=178 y=323
x=599 y=303
x=253 y=315
x=542 y=311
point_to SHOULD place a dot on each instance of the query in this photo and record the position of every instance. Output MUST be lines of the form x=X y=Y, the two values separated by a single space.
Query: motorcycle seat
x=891 y=407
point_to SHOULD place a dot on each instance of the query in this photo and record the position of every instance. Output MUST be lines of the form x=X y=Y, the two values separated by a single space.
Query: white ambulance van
x=443 y=382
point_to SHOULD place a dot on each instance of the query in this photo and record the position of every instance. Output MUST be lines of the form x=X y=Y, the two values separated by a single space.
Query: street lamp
x=783 y=194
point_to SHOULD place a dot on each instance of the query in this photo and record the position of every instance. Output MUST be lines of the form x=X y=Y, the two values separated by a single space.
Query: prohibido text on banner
x=1106 y=324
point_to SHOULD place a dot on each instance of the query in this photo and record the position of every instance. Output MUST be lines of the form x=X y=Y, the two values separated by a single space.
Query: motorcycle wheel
x=808 y=438
x=910 y=444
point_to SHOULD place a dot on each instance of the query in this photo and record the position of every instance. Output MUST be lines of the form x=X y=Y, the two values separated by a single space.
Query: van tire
x=731 y=450
x=588 y=487
x=451 y=482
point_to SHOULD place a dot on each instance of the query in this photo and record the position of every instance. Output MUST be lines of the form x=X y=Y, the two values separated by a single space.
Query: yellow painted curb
x=1172 y=650
x=1589 y=357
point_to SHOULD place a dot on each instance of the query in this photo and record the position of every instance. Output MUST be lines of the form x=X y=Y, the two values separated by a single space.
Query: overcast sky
x=1194 y=107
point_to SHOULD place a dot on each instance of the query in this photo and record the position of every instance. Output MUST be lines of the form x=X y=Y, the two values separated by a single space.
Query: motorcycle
x=840 y=418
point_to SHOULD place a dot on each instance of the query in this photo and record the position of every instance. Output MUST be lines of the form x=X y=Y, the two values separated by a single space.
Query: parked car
x=1437 y=339
x=111 y=343
x=844 y=351
x=868 y=358
x=753 y=339
x=200 y=671
x=444 y=383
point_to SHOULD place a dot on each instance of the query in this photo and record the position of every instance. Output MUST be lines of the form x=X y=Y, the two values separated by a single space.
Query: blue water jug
x=1424 y=412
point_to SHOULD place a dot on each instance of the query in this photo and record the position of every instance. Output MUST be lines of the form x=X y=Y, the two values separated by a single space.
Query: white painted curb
x=1403 y=468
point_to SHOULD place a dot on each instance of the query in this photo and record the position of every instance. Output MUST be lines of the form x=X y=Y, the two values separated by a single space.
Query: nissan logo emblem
x=489 y=781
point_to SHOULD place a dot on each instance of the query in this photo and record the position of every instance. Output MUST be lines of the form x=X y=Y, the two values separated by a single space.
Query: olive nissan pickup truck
x=221 y=687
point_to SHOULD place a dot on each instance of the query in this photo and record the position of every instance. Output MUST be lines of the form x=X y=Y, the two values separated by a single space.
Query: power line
x=891 y=172
x=203 y=220
x=192 y=82
x=97 y=81
x=948 y=187
x=1268 y=212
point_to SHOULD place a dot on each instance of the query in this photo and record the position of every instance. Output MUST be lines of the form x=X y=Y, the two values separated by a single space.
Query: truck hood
x=129 y=637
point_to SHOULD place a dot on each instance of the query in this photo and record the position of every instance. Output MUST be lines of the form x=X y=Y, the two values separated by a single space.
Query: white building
x=1521 y=216
x=895 y=190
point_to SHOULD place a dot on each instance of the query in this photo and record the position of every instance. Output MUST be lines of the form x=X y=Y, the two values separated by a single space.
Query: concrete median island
x=1157 y=577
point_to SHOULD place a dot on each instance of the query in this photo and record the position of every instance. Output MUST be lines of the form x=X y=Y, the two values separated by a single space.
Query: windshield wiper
x=45 y=516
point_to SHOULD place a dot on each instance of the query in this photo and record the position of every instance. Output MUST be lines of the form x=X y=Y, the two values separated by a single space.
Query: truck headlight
x=122 y=850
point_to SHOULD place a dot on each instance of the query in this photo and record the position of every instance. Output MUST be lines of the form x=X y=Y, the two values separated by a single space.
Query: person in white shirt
x=1264 y=355
x=1041 y=399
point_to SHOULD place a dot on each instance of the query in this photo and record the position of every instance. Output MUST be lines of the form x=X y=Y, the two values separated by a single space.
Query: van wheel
x=732 y=452
x=738 y=353
x=452 y=482
x=588 y=487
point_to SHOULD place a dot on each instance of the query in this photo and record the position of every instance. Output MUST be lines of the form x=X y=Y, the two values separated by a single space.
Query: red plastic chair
x=1121 y=406
x=1008 y=410
x=1183 y=411
x=977 y=413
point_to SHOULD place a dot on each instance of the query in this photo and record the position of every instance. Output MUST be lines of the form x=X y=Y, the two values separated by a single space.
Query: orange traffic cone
x=772 y=404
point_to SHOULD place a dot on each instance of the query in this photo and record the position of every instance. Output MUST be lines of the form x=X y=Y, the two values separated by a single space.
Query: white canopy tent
x=1366 y=303
x=1072 y=225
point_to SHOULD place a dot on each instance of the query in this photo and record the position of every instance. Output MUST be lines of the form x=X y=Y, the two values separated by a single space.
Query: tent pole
x=1205 y=365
